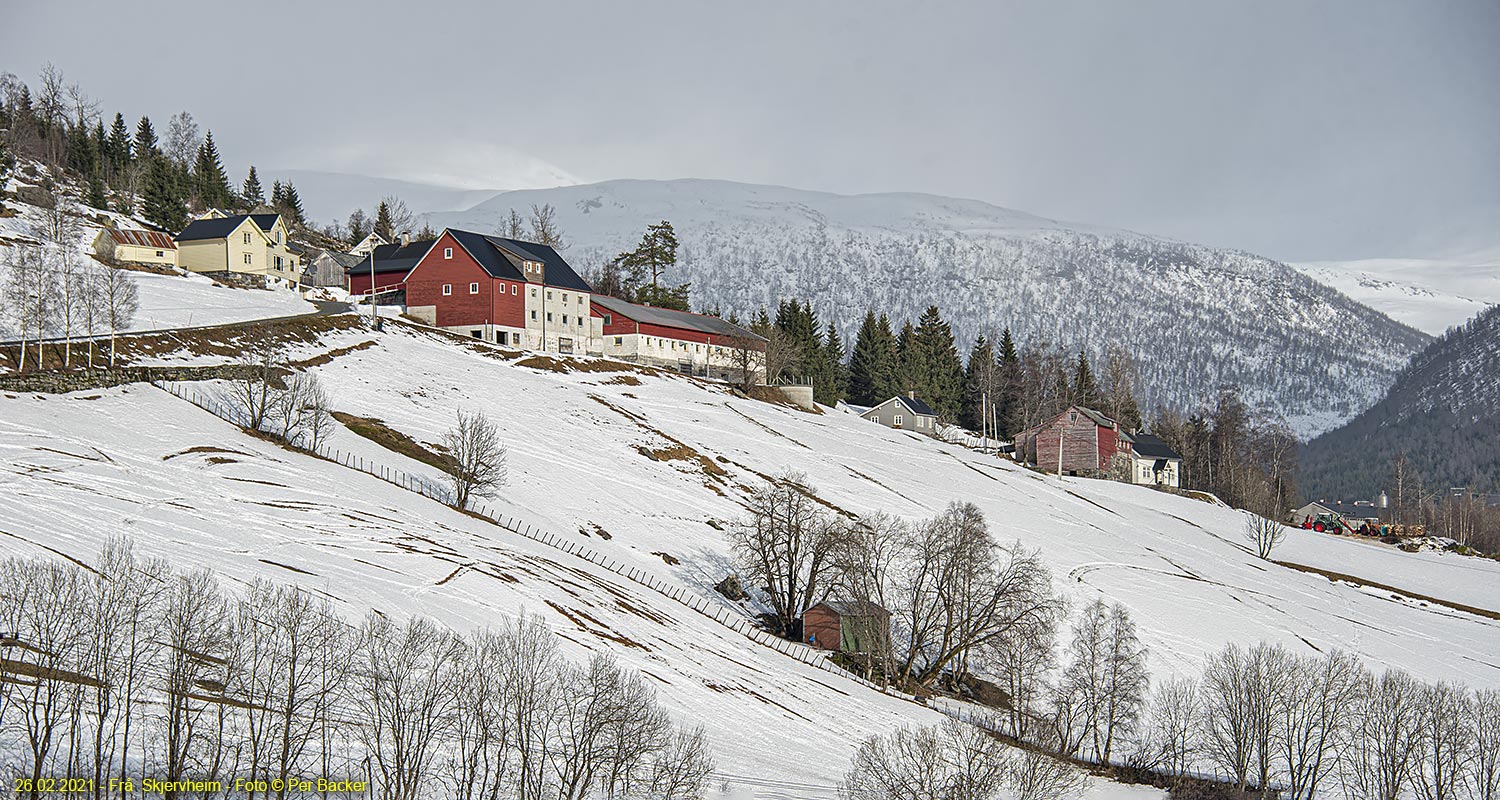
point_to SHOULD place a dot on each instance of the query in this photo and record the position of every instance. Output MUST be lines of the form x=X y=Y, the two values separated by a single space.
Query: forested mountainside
x=1443 y=412
x=1196 y=317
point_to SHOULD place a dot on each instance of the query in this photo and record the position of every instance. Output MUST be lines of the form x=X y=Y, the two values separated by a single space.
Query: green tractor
x=1328 y=523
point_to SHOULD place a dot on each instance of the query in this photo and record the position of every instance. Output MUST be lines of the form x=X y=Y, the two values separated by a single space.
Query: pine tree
x=97 y=197
x=209 y=179
x=1008 y=412
x=937 y=368
x=833 y=374
x=904 y=375
x=145 y=141
x=292 y=204
x=250 y=193
x=1085 y=388
x=872 y=365
x=647 y=263
x=119 y=146
x=278 y=195
x=383 y=225
x=162 y=201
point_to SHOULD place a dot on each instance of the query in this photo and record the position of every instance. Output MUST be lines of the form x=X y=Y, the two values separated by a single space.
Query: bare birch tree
x=1377 y=764
x=477 y=459
x=789 y=545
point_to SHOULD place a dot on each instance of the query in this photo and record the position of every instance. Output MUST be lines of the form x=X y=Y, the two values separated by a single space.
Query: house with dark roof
x=1077 y=441
x=905 y=412
x=1152 y=461
x=694 y=344
x=253 y=244
x=501 y=290
x=135 y=246
x=393 y=262
x=323 y=267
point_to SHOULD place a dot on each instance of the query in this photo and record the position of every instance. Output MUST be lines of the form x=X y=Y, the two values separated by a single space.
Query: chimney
x=911 y=394
x=405 y=238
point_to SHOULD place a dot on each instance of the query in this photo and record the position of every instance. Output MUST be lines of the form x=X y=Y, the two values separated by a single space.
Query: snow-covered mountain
x=1197 y=317
x=1443 y=412
x=1429 y=294
x=328 y=196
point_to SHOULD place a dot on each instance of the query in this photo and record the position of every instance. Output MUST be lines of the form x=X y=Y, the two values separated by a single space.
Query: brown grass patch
x=391 y=439
x=671 y=560
x=623 y=380
x=202 y=448
x=1339 y=576
x=681 y=452
x=325 y=358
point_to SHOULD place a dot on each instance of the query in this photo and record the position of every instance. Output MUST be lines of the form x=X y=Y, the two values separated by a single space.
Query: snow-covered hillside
x=176 y=300
x=1429 y=294
x=660 y=464
x=1196 y=317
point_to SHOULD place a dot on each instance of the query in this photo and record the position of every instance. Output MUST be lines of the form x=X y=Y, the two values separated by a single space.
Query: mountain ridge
x=1195 y=316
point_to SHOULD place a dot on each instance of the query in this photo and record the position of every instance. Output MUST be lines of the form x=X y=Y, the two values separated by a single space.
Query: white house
x=1153 y=463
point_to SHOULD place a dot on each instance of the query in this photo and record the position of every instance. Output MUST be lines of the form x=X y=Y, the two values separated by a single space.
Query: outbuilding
x=848 y=626
x=693 y=344
x=135 y=246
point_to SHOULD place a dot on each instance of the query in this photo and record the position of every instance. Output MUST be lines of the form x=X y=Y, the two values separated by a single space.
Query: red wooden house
x=1078 y=441
x=501 y=290
x=392 y=263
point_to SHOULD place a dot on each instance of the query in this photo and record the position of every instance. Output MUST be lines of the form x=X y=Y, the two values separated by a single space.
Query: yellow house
x=254 y=244
x=135 y=246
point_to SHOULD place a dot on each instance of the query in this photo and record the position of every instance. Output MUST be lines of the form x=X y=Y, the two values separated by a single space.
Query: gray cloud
x=1329 y=130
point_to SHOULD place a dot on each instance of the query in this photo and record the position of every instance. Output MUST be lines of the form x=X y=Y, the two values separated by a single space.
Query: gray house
x=907 y=413
x=327 y=267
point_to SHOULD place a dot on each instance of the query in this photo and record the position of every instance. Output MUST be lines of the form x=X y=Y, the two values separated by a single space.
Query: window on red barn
x=473 y=288
x=447 y=289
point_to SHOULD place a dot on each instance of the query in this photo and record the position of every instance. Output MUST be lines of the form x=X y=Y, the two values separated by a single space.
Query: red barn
x=501 y=290
x=849 y=626
x=392 y=263
x=695 y=344
x=1078 y=441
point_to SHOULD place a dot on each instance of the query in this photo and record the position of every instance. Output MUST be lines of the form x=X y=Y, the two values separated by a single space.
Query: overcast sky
x=1299 y=130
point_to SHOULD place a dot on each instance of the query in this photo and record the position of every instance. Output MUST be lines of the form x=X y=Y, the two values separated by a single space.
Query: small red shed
x=848 y=626
x=1077 y=441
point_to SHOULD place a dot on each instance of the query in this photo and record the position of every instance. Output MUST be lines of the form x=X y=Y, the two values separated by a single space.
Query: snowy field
x=75 y=469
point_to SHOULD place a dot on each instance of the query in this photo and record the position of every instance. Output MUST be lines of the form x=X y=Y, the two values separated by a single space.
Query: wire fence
x=438 y=490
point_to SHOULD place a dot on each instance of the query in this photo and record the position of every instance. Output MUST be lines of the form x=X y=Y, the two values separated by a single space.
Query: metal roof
x=1148 y=446
x=141 y=238
x=491 y=252
x=669 y=318
x=393 y=257
x=220 y=227
x=855 y=608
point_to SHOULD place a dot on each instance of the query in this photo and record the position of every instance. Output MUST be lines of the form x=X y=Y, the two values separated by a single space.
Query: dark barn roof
x=651 y=315
x=219 y=227
x=498 y=256
x=394 y=257
x=855 y=608
x=1148 y=446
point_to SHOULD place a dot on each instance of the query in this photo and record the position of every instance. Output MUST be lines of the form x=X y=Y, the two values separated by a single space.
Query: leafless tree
x=61 y=231
x=402 y=219
x=1377 y=764
x=866 y=558
x=1104 y=684
x=1445 y=742
x=544 y=228
x=747 y=360
x=1313 y=724
x=183 y=139
x=1263 y=533
x=477 y=459
x=1033 y=775
x=400 y=688
x=1234 y=711
x=779 y=354
x=195 y=632
x=46 y=596
x=30 y=297
x=1484 y=721
x=953 y=760
x=254 y=391
x=1022 y=659
x=300 y=409
x=121 y=300
x=683 y=769
x=959 y=591
x=788 y=545
x=514 y=226
x=1170 y=730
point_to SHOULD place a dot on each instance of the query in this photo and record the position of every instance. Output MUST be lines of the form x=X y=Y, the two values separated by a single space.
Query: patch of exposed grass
x=391 y=439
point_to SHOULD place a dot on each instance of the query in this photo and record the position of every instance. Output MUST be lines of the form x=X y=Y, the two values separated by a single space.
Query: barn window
x=533 y=314
x=447 y=289
x=898 y=420
x=609 y=319
x=549 y=295
x=514 y=289
x=477 y=334
x=160 y=254
x=447 y=252
x=619 y=341
x=549 y=316
x=533 y=291
x=473 y=288
x=565 y=319
x=1072 y=416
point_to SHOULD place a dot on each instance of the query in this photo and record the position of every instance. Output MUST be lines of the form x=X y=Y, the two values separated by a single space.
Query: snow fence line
x=436 y=491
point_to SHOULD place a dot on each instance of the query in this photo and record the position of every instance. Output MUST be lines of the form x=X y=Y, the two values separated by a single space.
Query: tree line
x=126 y=667
x=129 y=170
